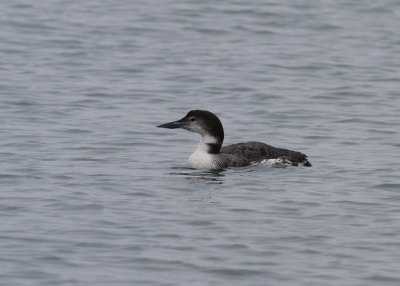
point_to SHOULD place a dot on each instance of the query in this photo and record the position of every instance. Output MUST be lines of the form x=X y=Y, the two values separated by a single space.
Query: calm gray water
x=93 y=194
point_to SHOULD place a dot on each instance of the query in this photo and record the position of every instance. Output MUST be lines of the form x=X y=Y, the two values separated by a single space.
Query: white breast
x=201 y=159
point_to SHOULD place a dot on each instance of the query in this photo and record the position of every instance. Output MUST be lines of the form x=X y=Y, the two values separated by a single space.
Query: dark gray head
x=204 y=122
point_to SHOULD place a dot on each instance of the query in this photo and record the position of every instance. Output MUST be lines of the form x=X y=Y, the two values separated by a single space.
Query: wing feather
x=257 y=151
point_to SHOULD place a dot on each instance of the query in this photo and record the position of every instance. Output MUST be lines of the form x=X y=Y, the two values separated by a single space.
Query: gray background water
x=93 y=194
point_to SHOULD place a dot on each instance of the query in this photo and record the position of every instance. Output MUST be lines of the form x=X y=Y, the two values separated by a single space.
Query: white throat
x=200 y=158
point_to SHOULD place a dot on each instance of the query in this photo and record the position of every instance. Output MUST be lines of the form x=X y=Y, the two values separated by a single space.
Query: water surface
x=93 y=194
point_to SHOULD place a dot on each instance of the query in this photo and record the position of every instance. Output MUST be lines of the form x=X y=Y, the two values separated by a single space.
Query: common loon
x=209 y=154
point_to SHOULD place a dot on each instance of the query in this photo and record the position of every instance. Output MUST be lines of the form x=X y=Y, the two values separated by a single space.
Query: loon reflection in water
x=211 y=155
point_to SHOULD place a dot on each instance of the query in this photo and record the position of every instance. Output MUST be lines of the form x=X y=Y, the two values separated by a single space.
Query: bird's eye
x=193 y=119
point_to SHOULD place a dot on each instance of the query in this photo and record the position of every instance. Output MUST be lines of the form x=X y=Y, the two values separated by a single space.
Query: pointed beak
x=172 y=125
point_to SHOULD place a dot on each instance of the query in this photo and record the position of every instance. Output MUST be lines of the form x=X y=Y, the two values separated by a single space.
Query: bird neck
x=210 y=144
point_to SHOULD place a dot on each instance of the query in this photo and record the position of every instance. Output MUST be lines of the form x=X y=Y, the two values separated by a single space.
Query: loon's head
x=204 y=122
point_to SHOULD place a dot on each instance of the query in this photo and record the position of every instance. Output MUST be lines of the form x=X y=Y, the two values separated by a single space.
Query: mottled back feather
x=257 y=151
